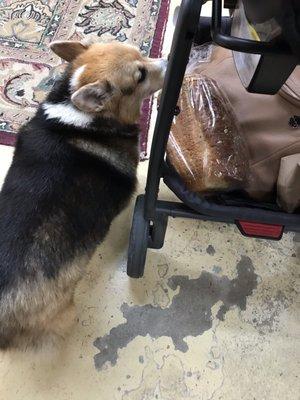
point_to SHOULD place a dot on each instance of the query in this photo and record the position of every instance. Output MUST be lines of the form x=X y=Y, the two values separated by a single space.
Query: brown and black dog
x=73 y=171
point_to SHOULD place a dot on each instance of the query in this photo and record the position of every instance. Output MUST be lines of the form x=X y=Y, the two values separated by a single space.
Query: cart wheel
x=138 y=241
x=158 y=232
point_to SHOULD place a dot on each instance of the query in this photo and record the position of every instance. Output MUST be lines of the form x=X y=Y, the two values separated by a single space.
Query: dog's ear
x=93 y=96
x=68 y=50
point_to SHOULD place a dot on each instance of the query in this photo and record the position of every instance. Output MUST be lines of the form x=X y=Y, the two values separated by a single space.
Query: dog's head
x=110 y=79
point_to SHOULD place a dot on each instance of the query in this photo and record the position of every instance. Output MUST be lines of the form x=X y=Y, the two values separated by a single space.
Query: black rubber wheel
x=158 y=232
x=138 y=241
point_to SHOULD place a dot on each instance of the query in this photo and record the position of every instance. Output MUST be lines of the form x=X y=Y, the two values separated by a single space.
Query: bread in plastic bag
x=205 y=145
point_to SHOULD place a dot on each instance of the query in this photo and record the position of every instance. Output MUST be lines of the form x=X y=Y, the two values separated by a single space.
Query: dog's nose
x=163 y=64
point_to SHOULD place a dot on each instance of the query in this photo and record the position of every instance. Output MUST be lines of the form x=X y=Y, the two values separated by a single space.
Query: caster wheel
x=158 y=232
x=138 y=241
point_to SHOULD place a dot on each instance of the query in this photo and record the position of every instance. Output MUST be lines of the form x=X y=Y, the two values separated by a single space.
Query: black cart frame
x=150 y=217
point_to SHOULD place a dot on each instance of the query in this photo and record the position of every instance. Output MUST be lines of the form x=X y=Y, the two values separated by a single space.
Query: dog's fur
x=73 y=171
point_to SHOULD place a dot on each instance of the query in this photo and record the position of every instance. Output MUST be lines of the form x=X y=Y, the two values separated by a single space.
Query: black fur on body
x=56 y=206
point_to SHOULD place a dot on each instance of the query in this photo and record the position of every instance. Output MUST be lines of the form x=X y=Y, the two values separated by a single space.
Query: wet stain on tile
x=267 y=321
x=210 y=250
x=297 y=237
x=141 y=359
x=297 y=242
x=189 y=314
x=217 y=269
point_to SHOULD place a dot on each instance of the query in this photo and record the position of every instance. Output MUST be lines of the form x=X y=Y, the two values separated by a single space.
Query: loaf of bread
x=205 y=145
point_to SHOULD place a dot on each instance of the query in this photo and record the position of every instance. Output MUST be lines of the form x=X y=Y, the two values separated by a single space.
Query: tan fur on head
x=111 y=79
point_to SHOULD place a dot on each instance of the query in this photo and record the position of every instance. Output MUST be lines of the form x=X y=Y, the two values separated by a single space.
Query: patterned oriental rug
x=27 y=67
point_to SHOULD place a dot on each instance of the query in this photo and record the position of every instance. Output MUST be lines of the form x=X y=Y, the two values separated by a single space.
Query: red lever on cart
x=259 y=230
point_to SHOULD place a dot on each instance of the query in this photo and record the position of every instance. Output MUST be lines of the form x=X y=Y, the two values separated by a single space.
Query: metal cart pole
x=148 y=225
x=185 y=30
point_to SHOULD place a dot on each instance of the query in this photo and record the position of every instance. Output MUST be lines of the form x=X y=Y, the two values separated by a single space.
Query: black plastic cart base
x=150 y=214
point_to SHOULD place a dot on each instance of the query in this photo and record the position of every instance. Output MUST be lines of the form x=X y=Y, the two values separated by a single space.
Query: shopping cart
x=150 y=218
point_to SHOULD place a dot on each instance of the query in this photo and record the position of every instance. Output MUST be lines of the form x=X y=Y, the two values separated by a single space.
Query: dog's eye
x=143 y=72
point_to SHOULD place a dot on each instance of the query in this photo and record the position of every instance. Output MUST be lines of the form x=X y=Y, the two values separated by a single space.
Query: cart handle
x=239 y=44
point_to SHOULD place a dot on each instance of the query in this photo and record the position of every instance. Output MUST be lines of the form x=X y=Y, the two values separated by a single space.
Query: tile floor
x=215 y=317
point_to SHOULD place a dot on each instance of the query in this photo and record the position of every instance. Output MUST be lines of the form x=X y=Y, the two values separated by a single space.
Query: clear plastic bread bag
x=205 y=145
